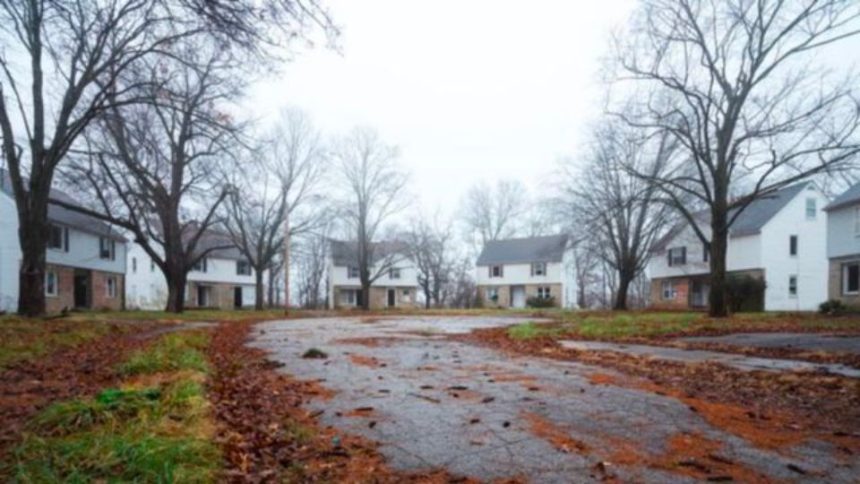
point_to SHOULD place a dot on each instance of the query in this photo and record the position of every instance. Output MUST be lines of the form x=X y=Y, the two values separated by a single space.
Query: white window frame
x=811 y=208
x=394 y=273
x=64 y=238
x=201 y=265
x=793 y=245
x=56 y=286
x=242 y=263
x=544 y=292
x=352 y=272
x=351 y=297
x=110 y=287
x=497 y=274
x=792 y=286
x=667 y=290
x=492 y=294
x=107 y=248
x=538 y=269
x=845 y=272
x=681 y=259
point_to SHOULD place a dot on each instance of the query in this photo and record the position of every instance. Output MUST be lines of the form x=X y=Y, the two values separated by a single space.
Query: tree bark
x=624 y=280
x=259 y=293
x=176 y=286
x=365 y=295
x=719 y=242
x=31 y=277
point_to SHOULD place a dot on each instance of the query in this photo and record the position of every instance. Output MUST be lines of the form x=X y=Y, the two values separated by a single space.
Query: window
x=406 y=292
x=677 y=256
x=58 y=238
x=394 y=273
x=543 y=293
x=792 y=245
x=152 y=266
x=352 y=272
x=243 y=268
x=539 y=269
x=706 y=252
x=351 y=297
x=857 y=221
x=811 y=209
x=792 y=286
x=851 y=278
x=668 y=290
x=110 y=287
x=496 y=271
x=200 y=266
x=134 y=265
x=107 y=248
x=492 y=294
x=52 y=283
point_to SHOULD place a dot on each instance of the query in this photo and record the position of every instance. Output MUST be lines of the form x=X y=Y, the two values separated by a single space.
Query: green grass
x=26 y=339
x=172 y=352
x=531 y=330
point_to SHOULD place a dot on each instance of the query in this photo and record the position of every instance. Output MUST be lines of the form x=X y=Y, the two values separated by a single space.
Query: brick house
x=511 y=271
x=780 y=238
x=395 y=277
x=85 y=257
x=843 y=247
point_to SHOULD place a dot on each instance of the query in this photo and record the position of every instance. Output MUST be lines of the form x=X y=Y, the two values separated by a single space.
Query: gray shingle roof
x=64 y=216
x=531 y=249
x=345 y=253
x=850 y=197
x=759 y=212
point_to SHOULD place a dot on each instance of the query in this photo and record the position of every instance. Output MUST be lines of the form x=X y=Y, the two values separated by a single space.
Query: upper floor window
x=110 y=287
x=352 y=272
x=152 y=266
x=668 y=290
x=706 y=252
x=792 y=245
x=543 y=293
x=394 y=273
x=134 y=265
x=811 y=208
x=200 y=266
x=107 y=248
x=857 y=221
x=851 y=278
x=497 y=271
x=792 y=286
x=58 y=238
x=539 y=269
x=52 y=283
x=243 y=268
x=677 y=256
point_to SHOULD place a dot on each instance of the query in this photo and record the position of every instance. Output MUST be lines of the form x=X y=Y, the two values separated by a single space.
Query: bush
x=832 y=307
x=746 y=293
x=540 y=302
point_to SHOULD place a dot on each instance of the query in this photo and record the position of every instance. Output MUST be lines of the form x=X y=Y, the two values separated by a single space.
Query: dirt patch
x=367 y=361
x=372 y=342
x=601 y=379
x=266 y=432
x=551 y=432
x=823 y=357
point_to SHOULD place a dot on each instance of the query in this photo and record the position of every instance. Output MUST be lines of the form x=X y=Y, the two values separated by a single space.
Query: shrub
x=746 y=293
x=833 y=307
x=540 y=302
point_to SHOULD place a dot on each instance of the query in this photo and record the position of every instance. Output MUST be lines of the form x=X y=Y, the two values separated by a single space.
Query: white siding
x=520 y=274
x=84 y=253
x=842 y=239
x=743 y=253
x=10 y=254
x=339 y=276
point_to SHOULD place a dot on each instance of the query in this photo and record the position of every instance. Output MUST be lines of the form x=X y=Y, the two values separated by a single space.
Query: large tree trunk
x=32 y=235
x=259 y=293
x=176 y=285
x=365 y=295
x=427 y=297
x=719 y=242
x=624 y=279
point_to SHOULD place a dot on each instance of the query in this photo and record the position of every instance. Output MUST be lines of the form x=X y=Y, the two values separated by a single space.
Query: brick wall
x=682 y=292
x=221 y=295
x=65 y=297
x=99 y=295
x=503 y=301
x=554 y=291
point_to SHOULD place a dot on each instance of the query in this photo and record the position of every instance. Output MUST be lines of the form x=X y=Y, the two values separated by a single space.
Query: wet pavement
x=800 y=341
x=435 y=403
x=741 y=362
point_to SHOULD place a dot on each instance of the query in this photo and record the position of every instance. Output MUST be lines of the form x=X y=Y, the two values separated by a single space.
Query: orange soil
x=362 y=360
x=550 y=432
x=601 y=379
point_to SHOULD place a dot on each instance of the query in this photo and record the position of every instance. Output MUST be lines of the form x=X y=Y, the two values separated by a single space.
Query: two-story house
x=222 y=279
x=511 y=271
x=780 y=238
x=843 y=247
x=85 y=257
x=396 y=278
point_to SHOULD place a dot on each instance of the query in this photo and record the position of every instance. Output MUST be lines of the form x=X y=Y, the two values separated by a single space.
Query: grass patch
x=315 y=353
x=531 y=330
x=173 y=352
x=24 y=339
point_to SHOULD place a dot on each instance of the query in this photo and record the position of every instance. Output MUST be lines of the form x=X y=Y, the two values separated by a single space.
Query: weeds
x=26 y=339
x=173 y=352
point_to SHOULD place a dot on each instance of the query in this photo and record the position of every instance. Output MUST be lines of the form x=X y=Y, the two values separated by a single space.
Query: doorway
x=203 y=296
x=237 y=297
x=518 y=296
x=82 y=289
x=392 y=298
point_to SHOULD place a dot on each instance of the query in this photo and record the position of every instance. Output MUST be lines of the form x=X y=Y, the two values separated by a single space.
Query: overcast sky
x=467 y=90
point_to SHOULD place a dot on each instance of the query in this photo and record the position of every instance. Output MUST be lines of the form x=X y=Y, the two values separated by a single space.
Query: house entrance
x=82 y=289
x=392 y=298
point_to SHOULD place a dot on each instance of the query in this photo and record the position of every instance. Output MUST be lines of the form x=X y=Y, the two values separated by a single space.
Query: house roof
x=749 y=222
x=345 y=253
x=850 y=197
x=227 y=249
x=530 y=249
x=64 y=216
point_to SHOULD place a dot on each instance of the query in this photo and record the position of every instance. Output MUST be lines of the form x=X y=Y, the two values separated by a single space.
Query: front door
x=202 y=296
x=518 y=296
x=82 y=289
x=237 y=297
x=392 y=296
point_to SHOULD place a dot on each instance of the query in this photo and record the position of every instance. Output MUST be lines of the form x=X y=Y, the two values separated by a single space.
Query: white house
x=780 y=238
x=85 y=257
x=512 y=271
x=223 y=279
x=396 y=286
x=843 y=247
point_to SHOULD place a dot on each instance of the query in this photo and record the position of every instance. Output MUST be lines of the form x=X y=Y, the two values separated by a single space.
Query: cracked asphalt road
x=435 y=403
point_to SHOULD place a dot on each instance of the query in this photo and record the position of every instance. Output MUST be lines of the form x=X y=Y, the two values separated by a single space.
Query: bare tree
x=312 y=250
x=373 y=192
x=154 y=167
x=622 y=213
x=493 y=213
x=428 y=246
x=74 y=53
x=731 y=82
x=280 y=184
x=461 y=290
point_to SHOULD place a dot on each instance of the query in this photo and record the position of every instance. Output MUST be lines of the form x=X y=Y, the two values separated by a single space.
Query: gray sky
x=468 y=90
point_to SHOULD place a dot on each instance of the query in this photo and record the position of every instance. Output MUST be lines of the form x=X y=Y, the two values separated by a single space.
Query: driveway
x=435 y=403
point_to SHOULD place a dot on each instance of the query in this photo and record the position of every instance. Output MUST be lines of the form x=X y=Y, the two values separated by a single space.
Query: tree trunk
x=427 y=297
x=258 y=284
x=31 y=278
x=624 y=280
x=176 y=285
x=719 y=241
x=365 y=295
x=271 y=288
